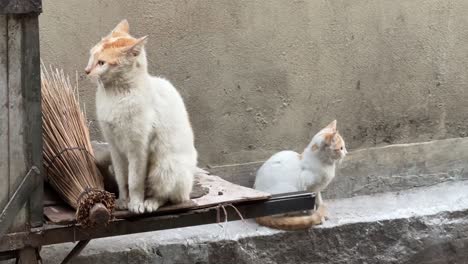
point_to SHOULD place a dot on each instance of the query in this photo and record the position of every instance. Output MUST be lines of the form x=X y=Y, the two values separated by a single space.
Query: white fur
x=288 y=171
x=150 y=137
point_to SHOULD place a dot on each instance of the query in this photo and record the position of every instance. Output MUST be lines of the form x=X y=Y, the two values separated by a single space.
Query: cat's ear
x=332 y=126
x=122 y=27
x=328 y=137
x=136 y=48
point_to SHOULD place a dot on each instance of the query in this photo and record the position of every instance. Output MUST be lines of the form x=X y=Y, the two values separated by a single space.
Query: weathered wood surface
x=219 y=192
x=31 y=78
x=18 y=199
x=20 y=115
x=16 y=113
x=20 y=6
x=4 y=160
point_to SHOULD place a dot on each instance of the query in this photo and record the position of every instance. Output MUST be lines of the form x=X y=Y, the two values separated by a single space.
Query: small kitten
x=145 y=122
x=313 y=170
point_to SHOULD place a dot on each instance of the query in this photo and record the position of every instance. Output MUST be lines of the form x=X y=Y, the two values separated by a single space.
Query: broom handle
x=99 y=214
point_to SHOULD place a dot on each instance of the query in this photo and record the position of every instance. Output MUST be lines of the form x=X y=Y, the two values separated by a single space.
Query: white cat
x=313 y=170
x=145 y=122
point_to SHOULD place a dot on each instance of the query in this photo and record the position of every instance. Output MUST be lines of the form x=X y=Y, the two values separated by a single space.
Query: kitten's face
x=329 y=141
x=114 y=54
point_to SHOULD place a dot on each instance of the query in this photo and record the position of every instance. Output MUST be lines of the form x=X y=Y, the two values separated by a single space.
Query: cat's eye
x=100 y=62
x=341 y=148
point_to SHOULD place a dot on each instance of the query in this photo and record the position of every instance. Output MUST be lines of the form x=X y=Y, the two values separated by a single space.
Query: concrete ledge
x=423 y=225
x=401 y=167
x=381 y=169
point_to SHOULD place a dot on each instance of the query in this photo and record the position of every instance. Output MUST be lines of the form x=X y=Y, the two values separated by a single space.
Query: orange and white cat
x=145 y=121
x=288 y=171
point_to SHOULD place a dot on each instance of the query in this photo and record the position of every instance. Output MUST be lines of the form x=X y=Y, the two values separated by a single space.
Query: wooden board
x=20 y=6
x=217 y=191
x=20 y=119
x=4 y=160
x=17 y=125
x=31 y=80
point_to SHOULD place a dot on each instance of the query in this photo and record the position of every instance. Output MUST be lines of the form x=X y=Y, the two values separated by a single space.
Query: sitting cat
x=313 y=170
x=145 y=122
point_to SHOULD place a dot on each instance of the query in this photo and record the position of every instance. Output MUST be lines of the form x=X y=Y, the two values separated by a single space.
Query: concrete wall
x=259 y=76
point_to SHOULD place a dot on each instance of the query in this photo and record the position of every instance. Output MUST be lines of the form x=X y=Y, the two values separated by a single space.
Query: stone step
x=422 y=225
x=381 y=169
x=400 y=167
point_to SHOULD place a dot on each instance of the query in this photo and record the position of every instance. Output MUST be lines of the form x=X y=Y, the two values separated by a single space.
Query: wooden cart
x=29 y=219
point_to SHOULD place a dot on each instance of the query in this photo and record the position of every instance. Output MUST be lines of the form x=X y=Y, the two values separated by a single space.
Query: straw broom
x=68 y=155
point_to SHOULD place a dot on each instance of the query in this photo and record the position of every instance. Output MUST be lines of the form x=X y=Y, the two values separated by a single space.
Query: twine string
x=220 y=207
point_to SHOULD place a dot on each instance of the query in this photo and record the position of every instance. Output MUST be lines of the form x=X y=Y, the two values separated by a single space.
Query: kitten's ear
x=332 y=126
x=328 y=138
x=136 y=48
x=122 y=27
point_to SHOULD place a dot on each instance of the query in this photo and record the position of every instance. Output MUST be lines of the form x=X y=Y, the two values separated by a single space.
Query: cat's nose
x=87 y=70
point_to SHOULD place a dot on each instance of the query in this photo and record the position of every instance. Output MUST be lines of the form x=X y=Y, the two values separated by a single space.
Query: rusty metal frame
x=76 y=251
x=53 y=234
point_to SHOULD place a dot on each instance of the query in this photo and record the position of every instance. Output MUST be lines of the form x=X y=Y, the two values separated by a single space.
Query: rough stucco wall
x=259 y=76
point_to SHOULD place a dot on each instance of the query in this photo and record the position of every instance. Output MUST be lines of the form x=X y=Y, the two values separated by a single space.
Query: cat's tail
x=290 y=222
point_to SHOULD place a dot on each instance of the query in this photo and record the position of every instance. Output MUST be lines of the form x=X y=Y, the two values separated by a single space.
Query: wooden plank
x=24 y=112
x=219 y=192
x=16 y=129
x=20 y=6
x=53 y=234
x=31 y=81
x=4 y=160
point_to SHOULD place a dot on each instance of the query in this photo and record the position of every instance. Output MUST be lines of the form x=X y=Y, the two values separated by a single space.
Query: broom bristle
x=68 y=155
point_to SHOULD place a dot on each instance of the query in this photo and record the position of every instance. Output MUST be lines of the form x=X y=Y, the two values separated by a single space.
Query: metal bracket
x=76 y=250
x=18 y=199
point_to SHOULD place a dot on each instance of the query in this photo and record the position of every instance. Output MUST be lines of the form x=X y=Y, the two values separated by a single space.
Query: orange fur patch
x=117 y=34
x=329 y=137
x=110 y=49
x=110 y=56
x=118 y=43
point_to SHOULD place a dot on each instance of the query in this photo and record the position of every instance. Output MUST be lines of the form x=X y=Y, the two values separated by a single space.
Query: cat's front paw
x=324 y=218
x=121 y=204
x=323 y=211
x=136 y=207
x=151 y=205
